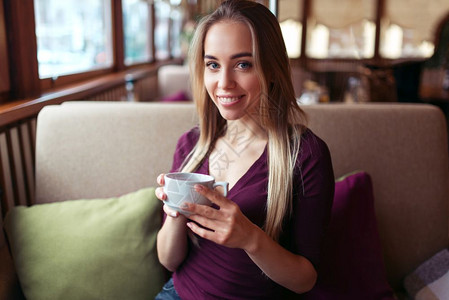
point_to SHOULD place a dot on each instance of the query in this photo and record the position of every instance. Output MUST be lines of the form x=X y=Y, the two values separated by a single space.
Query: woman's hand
x=162 y=196
x=172 y=237
x=226 y=226
x=229 y=227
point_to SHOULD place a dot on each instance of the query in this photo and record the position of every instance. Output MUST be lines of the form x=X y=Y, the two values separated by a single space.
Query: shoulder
x=313 y=157
x=312 y=146
x=188 y=139
x=185 y=144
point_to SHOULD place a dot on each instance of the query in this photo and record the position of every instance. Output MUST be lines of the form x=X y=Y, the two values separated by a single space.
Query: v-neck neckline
x=248 y=172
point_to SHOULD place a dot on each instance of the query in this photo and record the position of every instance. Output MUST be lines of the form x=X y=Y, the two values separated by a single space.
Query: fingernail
x=198 y=187
x=174 y=214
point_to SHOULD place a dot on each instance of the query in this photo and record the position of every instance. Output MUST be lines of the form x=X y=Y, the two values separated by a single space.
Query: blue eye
x=244 y=65
x=212 y=65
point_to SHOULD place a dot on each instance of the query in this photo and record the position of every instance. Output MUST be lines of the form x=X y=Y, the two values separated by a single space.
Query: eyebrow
x=238 y=55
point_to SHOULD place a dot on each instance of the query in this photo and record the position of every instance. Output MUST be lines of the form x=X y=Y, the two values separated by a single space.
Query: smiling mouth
x=228 y=100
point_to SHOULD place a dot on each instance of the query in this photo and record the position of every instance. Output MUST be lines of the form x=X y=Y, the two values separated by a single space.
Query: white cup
x=179 y=188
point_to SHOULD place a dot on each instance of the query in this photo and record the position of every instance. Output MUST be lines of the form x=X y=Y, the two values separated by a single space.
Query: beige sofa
x=92 y=149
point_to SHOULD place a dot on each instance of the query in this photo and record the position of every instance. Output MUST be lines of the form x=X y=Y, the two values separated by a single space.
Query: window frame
x=150 y=28
x=24 y=76
x=23 y=79
x=4 y=64
x=118 y=50
x=376 y=60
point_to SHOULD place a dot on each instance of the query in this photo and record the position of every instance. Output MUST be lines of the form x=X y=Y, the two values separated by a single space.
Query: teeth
x=228 y=99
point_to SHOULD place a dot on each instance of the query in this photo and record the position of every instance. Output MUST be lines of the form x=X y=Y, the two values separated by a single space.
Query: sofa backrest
x=104 y=149
x=91 y=150
x=404 y=149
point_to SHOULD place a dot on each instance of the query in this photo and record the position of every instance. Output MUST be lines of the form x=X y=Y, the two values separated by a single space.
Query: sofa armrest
x=9 y=283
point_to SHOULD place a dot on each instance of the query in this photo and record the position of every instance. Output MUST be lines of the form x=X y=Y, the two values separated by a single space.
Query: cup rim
x=185 y=177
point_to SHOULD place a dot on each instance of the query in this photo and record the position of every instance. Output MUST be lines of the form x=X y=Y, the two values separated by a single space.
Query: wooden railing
x=18 y=126
x=17 y=141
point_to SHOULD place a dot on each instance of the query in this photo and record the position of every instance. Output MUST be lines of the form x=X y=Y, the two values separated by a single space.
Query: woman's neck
x=247 y=129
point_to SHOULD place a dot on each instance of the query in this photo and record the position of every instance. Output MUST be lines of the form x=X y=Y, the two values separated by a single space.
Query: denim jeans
x=168 y=292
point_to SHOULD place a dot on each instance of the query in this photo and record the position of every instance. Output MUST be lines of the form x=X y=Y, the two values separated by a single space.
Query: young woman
x=263 y=240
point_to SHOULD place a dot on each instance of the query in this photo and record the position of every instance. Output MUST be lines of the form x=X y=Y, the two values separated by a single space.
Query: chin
x=231 y=117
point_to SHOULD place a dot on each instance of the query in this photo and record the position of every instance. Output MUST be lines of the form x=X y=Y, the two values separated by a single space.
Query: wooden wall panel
x=147 y=89
x=18 y=130
x=27 y=152
x=4 y=64
x=22 y=48
x=5 y=175
x=17 y=148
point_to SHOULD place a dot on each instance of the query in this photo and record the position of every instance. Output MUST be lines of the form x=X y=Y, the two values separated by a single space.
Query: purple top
x=215 y=271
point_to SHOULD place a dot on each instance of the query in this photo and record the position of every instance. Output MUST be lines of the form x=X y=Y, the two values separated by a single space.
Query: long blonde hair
x=279 y=112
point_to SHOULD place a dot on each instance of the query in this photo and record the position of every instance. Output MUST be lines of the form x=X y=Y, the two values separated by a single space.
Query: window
x=343 y=29
x=162 y=29
x=73 y=36
x=137 y=27
x=360 y=29
x=78 y=40
x=176 y=18
x=409 y=26
x=290 y=16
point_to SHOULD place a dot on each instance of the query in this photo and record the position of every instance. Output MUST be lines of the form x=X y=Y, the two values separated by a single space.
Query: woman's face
x=229 y=75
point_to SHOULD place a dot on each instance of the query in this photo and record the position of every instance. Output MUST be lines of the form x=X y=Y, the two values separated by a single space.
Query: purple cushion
x=178 y=96
x=352 y=265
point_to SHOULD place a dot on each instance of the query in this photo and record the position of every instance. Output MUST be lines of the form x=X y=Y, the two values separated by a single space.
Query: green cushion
x=88 y=249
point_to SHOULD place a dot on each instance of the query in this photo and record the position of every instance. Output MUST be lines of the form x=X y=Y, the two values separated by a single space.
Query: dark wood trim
x=22 y=48
x=12 y=168
x=47 y=84
x=305 y=16
x=380 y=11
x=15 y=111
x=3 y=203
x=23 y=172
x=4 y=96
x=118 y=35
x=31 y=141
x=4 y=64
x=152 y=34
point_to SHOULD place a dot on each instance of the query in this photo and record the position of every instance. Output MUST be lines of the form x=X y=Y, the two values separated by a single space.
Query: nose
x=226 y=80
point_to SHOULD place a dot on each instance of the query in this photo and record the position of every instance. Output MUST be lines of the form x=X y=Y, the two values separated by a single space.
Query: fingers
x=160 y=179
x=213 y=195
x=162 y=196
x=225 y=226
x=170 y=212
x=202 y=232
x=160 y=193
x=204 y=215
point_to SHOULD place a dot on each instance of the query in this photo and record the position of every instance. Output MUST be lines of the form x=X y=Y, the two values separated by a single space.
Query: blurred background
x=346 y=50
